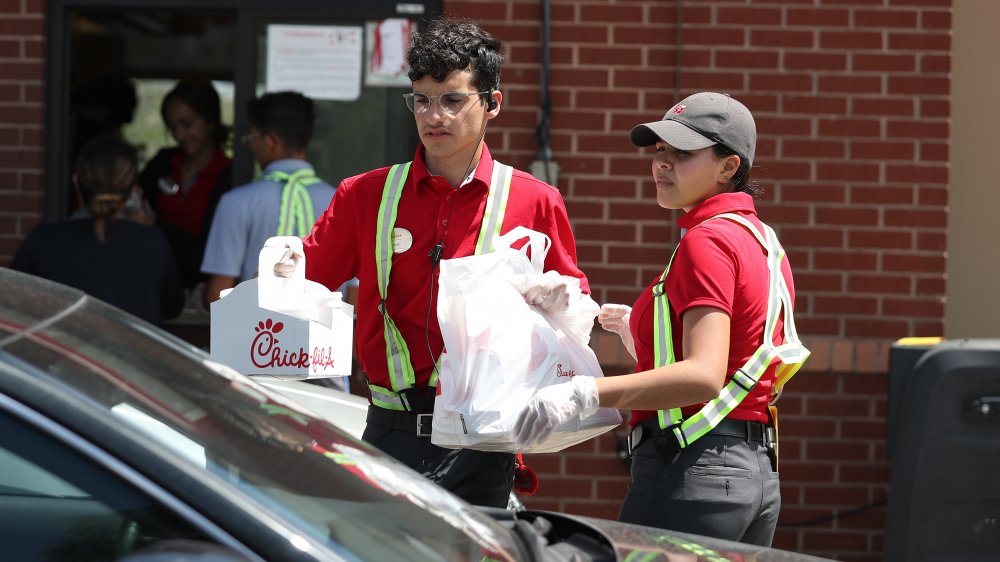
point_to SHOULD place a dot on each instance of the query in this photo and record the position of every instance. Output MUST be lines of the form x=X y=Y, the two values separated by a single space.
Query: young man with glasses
x=416 y=215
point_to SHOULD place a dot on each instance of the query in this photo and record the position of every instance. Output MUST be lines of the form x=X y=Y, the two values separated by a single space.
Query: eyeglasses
x=248 y=138
x=451 y=103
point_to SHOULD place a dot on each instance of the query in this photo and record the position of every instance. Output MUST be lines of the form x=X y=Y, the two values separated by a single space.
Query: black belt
x=745 y=430
x=397 y=420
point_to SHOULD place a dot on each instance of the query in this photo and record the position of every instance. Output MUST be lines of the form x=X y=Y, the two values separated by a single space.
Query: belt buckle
x=420 y=424
x=634 y=438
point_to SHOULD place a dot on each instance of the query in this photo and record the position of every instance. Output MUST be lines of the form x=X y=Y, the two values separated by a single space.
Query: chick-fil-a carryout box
x=279 y=326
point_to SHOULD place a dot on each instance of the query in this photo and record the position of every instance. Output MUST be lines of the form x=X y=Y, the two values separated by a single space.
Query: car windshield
x=330 y=486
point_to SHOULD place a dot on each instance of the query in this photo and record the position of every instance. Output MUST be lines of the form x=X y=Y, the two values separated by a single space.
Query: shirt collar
x=422 y=178
x=739 y=202
x=217 y=164
x=287 y=165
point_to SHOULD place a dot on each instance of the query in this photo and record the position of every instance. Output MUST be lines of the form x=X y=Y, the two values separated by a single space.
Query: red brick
x=878 y=62
x=814 y=237
x=935 y=19
x=885 y=18
x=814 y=149
x=816 y=61
x=811 y=282
x=861 y=150
x=782 y=38
x=845 y=127
x=790 y=82
x=841 y=304
x=851 y=40
x=879 y=195
x=919 y=41
x=898 y=107
x=817 y=17
x=876 y=328
x=848 y=171
x=902 y=240
x=629 y=56
x=752 y=16
x=22 y=26
x=610 y=13
x=711 y=36
x=879 y=284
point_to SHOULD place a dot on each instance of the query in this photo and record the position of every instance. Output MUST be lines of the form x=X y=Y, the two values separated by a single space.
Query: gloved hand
x=286 y=264
x=614 y=318
x=552 y=406
x=550 y=292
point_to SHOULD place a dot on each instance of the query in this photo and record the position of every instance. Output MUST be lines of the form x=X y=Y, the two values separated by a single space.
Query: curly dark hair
x=449 y=44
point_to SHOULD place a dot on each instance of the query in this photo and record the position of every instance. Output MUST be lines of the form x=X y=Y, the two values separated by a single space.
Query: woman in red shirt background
x=184 y=183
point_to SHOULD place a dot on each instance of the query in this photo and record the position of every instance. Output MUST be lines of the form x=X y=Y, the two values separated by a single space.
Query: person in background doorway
x=184 y=183
x=119 y=261
x=284 y=201
x=713 y=336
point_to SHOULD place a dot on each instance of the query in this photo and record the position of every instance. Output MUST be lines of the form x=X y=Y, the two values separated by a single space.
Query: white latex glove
x=614 y=318
x=550 y=292
x=286 y=265
x=552 y=406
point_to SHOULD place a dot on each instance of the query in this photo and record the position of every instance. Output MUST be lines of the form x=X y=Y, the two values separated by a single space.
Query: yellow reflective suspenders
x=295 y=216
x=791 y=354
x=401 y=375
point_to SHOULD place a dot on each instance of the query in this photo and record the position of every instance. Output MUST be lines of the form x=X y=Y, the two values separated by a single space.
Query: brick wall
x=851 y=99
x=22 y=97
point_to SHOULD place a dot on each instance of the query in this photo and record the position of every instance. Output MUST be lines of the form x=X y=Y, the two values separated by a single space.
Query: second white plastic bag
x=501 y=350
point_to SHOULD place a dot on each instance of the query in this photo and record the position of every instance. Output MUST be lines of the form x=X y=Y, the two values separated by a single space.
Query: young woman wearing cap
x=702 y=446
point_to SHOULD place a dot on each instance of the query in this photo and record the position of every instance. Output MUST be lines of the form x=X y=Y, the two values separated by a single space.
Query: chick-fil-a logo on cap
x=266 y=353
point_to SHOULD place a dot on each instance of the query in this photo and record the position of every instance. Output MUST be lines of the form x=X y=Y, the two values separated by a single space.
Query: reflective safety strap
x=663 y=338
x=296 y=215
x=496 y=206
x=791 y=354
x=401 y=375
x=396 y=353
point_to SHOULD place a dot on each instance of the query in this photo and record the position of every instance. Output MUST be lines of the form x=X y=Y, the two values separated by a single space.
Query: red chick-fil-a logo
x=561 y=373
x=266 y=353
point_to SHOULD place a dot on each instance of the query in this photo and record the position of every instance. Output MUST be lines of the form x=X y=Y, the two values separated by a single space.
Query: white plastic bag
x=501 y=350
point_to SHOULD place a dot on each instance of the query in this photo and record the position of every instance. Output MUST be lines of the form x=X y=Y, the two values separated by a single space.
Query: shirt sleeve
x=331 y=249
x=562 y=254
x=227 y=240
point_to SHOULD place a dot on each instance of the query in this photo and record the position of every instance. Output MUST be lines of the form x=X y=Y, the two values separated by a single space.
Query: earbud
x=491 y=102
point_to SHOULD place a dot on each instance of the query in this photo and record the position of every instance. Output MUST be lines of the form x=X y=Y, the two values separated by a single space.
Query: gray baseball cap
x=699 y=121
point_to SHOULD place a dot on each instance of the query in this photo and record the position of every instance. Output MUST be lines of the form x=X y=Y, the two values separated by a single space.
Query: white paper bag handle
x=280 y=293
x=538 y=242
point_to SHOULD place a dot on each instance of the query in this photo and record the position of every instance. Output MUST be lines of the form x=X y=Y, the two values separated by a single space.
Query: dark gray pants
x=479 y=477
x=719 y=486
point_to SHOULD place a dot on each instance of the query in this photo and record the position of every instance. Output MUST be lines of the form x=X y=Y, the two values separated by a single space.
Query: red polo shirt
x=187 y=208
x=721 y=265
x=342 y=246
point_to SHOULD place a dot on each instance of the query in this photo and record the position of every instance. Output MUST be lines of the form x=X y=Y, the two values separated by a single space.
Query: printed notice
x=321 y=61
x=386 y=43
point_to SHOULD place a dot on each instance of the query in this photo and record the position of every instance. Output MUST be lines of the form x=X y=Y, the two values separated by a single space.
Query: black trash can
x=944 y=449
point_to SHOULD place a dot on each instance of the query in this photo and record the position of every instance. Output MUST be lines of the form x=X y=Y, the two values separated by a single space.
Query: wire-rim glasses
x=451 y=103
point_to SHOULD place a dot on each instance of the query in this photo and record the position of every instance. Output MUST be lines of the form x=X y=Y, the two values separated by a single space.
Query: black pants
x=719 y=486
x=479 y=477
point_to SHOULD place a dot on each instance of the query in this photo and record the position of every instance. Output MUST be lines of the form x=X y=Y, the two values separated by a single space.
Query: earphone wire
x=435 y=258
